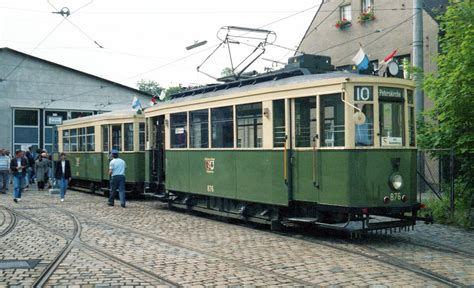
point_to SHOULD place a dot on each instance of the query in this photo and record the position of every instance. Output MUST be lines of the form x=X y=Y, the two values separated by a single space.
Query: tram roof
x=118 y=114
x=265 y=81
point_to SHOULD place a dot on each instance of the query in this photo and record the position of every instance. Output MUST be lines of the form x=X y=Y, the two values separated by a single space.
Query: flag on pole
x=361 y=60
x=383 y=65
x=153 y=101
x=136 y=104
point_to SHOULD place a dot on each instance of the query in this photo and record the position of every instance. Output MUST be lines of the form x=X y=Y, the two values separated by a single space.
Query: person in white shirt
x=117 y=169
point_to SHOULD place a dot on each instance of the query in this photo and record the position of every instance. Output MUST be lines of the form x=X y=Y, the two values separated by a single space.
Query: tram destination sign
x=390 y=92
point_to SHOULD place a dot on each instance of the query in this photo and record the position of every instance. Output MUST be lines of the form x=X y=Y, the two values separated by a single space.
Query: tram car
x=301 y=145
x=88 y=141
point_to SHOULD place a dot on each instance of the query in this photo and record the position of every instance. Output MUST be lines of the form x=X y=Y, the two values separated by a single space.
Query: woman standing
x=41 y=168
x=63 y=174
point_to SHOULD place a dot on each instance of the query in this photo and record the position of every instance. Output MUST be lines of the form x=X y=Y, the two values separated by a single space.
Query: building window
x=141 y=136
x=222 y=121
x=66 y=147
x=305 y=121
x=332 y=120
x=249 y=125
x=279 y=123
x=90 y=138
x=199 y=128
x=346 y=12
x=364 y=133
x=178 y=130
x=128 y=137
x=117 y=137
x=73 y=141
x=79 y=114
x=367 y=6
x=26 y=117
x=105 y=138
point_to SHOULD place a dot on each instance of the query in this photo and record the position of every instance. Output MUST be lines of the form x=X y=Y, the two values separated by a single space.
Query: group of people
x=28 y=167
x=32 y=166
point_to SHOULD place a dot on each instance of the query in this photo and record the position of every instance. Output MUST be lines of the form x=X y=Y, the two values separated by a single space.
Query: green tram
x=88 y=141
x=331 y=149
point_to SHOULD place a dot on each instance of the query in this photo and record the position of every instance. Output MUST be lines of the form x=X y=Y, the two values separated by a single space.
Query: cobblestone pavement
x=146 y=245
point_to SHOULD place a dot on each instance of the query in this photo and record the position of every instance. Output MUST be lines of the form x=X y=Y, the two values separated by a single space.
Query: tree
x=451 y=120
x=227 y=72
x=451 y=88
x=150 y=87
x=172 y=90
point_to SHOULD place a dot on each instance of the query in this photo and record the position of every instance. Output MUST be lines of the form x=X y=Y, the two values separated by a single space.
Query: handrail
x=285 y=163
x=315 y=184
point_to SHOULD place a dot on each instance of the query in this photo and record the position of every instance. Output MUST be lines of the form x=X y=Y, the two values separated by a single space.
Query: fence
x=436 y=173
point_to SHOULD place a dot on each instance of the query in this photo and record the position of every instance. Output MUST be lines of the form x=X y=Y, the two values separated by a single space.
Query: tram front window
x=391 y=123
x=364 y=133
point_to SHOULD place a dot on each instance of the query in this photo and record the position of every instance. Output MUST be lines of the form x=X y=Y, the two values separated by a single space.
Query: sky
x=146 y=39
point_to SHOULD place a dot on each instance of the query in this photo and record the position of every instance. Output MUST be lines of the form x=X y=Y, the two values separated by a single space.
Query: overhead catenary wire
x=33 y=50
x=180 y=59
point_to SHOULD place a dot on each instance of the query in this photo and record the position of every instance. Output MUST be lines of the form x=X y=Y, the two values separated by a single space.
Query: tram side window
x=141 y=137
x=222 y=122
x=249 y=125
x=117 y=137
x=364 y=133
x=332 y=120
x=90 y=139
x=81 y=137
x=178 y=130
x=411 y=126
x=305 y=121
x=73 y=134
x=105 y=138
x=128 y=137
x=66 y=147
x=279 y=123
x=199 y=128
x=391 y=123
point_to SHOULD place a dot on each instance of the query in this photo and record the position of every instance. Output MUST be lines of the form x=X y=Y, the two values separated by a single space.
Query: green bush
x=463 y=201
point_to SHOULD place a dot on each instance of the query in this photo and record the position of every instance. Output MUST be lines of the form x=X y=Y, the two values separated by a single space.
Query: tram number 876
x=395 y=196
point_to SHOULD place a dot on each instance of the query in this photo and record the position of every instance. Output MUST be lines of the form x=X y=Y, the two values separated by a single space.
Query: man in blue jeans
x=117 y=169
x=18 y=167
x=63 y=174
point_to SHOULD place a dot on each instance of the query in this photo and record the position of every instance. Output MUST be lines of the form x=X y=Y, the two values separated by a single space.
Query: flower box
x=343 y=23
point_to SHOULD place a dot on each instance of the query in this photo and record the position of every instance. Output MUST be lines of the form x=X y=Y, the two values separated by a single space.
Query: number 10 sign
x=363 y=93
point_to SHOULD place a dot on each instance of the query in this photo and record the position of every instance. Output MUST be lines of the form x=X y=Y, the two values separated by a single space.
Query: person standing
x=30 y=170
x=18 y=167
x=117 y=169
x=63 y=174
x=41 y=168
x=4 y=170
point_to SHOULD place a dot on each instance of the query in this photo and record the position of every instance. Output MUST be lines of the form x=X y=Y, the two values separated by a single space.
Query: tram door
x=304 y=151
x=159 y=150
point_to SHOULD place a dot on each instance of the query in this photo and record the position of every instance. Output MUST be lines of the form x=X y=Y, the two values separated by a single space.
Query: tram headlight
x=396 y=181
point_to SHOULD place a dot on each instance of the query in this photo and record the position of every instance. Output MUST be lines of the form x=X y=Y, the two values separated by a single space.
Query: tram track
x=75 y=241
x=379 y=256
x=11 y=225
x=199 y=251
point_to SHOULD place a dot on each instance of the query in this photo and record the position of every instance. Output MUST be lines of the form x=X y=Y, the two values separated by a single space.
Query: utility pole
x=418 y=77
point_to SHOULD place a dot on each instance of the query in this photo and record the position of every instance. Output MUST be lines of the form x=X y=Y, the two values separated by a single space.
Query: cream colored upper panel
x=297 y=86
x=115 y=117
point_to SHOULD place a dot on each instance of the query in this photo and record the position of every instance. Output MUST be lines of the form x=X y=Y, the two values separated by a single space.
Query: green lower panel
x=255 y=176
x=350 y=178
x=95 y=166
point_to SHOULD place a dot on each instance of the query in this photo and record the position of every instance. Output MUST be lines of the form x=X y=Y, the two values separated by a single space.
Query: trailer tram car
x=88 y=141
x=330 y=149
